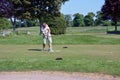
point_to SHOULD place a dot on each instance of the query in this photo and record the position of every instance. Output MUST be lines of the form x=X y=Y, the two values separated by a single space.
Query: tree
x=14 y=9
x=98 y=20
x=43 y=9
x=111 y=11
x=68 y=20
x=78 y=20
x=25 y=9
x=89 y=19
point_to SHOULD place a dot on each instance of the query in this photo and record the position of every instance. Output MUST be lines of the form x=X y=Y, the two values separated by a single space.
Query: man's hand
x=45 y=34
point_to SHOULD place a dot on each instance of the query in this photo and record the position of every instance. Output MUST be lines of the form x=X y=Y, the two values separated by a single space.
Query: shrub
x=57 y=25
x=5 y=23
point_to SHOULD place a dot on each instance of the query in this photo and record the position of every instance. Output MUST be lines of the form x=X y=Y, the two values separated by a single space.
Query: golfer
x=47 y=36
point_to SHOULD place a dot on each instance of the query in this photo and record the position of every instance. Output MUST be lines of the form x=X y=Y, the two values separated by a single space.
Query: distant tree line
x=79 y=20
x=107 y=16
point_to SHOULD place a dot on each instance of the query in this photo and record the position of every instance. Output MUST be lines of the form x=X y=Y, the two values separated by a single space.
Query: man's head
x=44 y=24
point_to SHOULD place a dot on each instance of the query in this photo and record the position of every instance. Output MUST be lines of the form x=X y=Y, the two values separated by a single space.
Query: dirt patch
x=54 y=75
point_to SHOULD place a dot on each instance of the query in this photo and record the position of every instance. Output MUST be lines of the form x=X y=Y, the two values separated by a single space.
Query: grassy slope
x=87 y=35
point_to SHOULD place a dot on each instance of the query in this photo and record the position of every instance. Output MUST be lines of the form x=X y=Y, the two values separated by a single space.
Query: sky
x=81 y=6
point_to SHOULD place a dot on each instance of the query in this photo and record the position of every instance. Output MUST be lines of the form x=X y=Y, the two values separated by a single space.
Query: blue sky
x=81 y=6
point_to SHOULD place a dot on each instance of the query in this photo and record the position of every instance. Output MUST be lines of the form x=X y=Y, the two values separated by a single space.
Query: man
x=47 y=36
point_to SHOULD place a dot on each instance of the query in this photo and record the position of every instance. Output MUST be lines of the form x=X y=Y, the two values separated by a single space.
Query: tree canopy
x=89 y=19
x=78 y=20
x=27 y=9
x=14 y=9
x=111 y=11
x=46 y=8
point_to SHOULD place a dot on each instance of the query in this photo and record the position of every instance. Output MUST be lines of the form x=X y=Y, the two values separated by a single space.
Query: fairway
x=42 y=36
x=88 y=50
x=76 y=58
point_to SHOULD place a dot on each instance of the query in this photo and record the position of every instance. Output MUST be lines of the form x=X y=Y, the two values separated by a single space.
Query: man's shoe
x=50 y=50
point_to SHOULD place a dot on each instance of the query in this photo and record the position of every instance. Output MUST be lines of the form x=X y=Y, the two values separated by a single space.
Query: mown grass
x=76 y=58
x=80 y=35
x=88 y=51
x=86 y=30
x=60 y=39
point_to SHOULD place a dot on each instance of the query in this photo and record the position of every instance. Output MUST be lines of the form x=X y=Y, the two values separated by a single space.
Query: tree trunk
x=13 y=21
x=115 y=26
x=40 y=24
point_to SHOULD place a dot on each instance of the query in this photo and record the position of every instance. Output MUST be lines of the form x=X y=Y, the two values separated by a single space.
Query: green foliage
x=113 y=23
x=68 y=20
x=78 y=20
x=106 y=23
x=46 y=8
x=57 y=25
x=30 y=9
x=26 y=23
x=88 y=19
x=98 y=20
x=4 y=23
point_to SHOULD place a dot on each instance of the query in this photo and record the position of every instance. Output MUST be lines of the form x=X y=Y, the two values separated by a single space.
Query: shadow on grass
x=113 y=32
x=35 y=49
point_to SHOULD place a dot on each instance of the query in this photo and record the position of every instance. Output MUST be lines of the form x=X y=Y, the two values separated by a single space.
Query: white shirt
x=46 y=31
